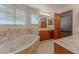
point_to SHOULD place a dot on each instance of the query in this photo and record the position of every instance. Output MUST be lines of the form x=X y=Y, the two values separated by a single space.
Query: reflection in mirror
x=50 y=22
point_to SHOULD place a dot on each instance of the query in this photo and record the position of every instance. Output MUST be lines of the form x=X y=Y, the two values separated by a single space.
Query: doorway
x=63 y=24
x=66 y=24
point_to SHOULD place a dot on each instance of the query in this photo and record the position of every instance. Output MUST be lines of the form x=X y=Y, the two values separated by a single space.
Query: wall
x=31 y=11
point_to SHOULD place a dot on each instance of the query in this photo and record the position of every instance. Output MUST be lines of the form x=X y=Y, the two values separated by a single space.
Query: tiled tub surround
x=4 y=36
x=20 y=42
x=70 y=43
x=8 y=34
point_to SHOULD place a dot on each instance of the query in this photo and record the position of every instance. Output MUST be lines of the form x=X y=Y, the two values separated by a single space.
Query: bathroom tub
x=25 y=44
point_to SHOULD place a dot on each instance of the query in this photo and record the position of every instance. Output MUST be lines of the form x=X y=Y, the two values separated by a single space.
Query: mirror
x=46 y=22
x=50 y=22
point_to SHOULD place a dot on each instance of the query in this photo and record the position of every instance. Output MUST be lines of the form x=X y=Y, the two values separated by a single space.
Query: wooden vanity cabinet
x=51 y=34
x=43 y=35
x=46 y=34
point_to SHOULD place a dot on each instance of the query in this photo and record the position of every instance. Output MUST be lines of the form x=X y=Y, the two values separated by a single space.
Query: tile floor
x=46 y=47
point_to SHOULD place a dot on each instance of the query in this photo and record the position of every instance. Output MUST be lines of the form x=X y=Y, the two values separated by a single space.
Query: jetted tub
x=24 y=44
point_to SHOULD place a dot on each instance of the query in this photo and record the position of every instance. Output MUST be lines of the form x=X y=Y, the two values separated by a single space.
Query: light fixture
x=45 y=14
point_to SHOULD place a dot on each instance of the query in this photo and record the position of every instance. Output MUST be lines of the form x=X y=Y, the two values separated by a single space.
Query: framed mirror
x=49 y=21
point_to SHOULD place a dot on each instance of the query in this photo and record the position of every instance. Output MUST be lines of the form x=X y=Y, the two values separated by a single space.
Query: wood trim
x=60 y=50
x=57 y=23
x=72 y=22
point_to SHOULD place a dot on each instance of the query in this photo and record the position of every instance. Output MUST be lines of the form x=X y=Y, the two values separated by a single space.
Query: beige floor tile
x=46 y=47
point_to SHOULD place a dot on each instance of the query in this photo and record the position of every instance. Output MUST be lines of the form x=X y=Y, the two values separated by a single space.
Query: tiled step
x=60 y=50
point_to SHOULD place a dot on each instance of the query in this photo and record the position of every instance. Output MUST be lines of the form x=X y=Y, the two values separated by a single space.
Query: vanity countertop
x=48 y=28
x=71 y=43
x=45 y=29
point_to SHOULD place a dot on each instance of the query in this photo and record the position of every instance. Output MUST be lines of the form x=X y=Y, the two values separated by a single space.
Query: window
x=34 y=19
x=11 y=16
x=20 y=17
x=6 y=15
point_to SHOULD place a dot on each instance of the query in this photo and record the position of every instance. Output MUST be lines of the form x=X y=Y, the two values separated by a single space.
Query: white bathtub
x=23 y=44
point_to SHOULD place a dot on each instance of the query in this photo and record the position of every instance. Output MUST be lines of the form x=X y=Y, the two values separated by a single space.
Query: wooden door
x=57 y=25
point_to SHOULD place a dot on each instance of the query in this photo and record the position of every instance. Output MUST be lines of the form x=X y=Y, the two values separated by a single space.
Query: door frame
x=57 y=23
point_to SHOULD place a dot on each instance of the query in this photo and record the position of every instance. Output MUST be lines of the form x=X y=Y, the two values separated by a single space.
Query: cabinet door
x=51 y=34
x=44 y=35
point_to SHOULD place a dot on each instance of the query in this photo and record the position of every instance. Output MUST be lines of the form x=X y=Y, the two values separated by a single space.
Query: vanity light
x=45 y=14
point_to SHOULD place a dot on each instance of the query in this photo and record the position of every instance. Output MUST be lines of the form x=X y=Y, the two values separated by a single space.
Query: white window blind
x=20 y=17
x=11 y=16
x=6 y=15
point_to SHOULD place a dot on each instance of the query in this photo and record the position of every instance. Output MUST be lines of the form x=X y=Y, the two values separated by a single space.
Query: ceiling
x=47 y=7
